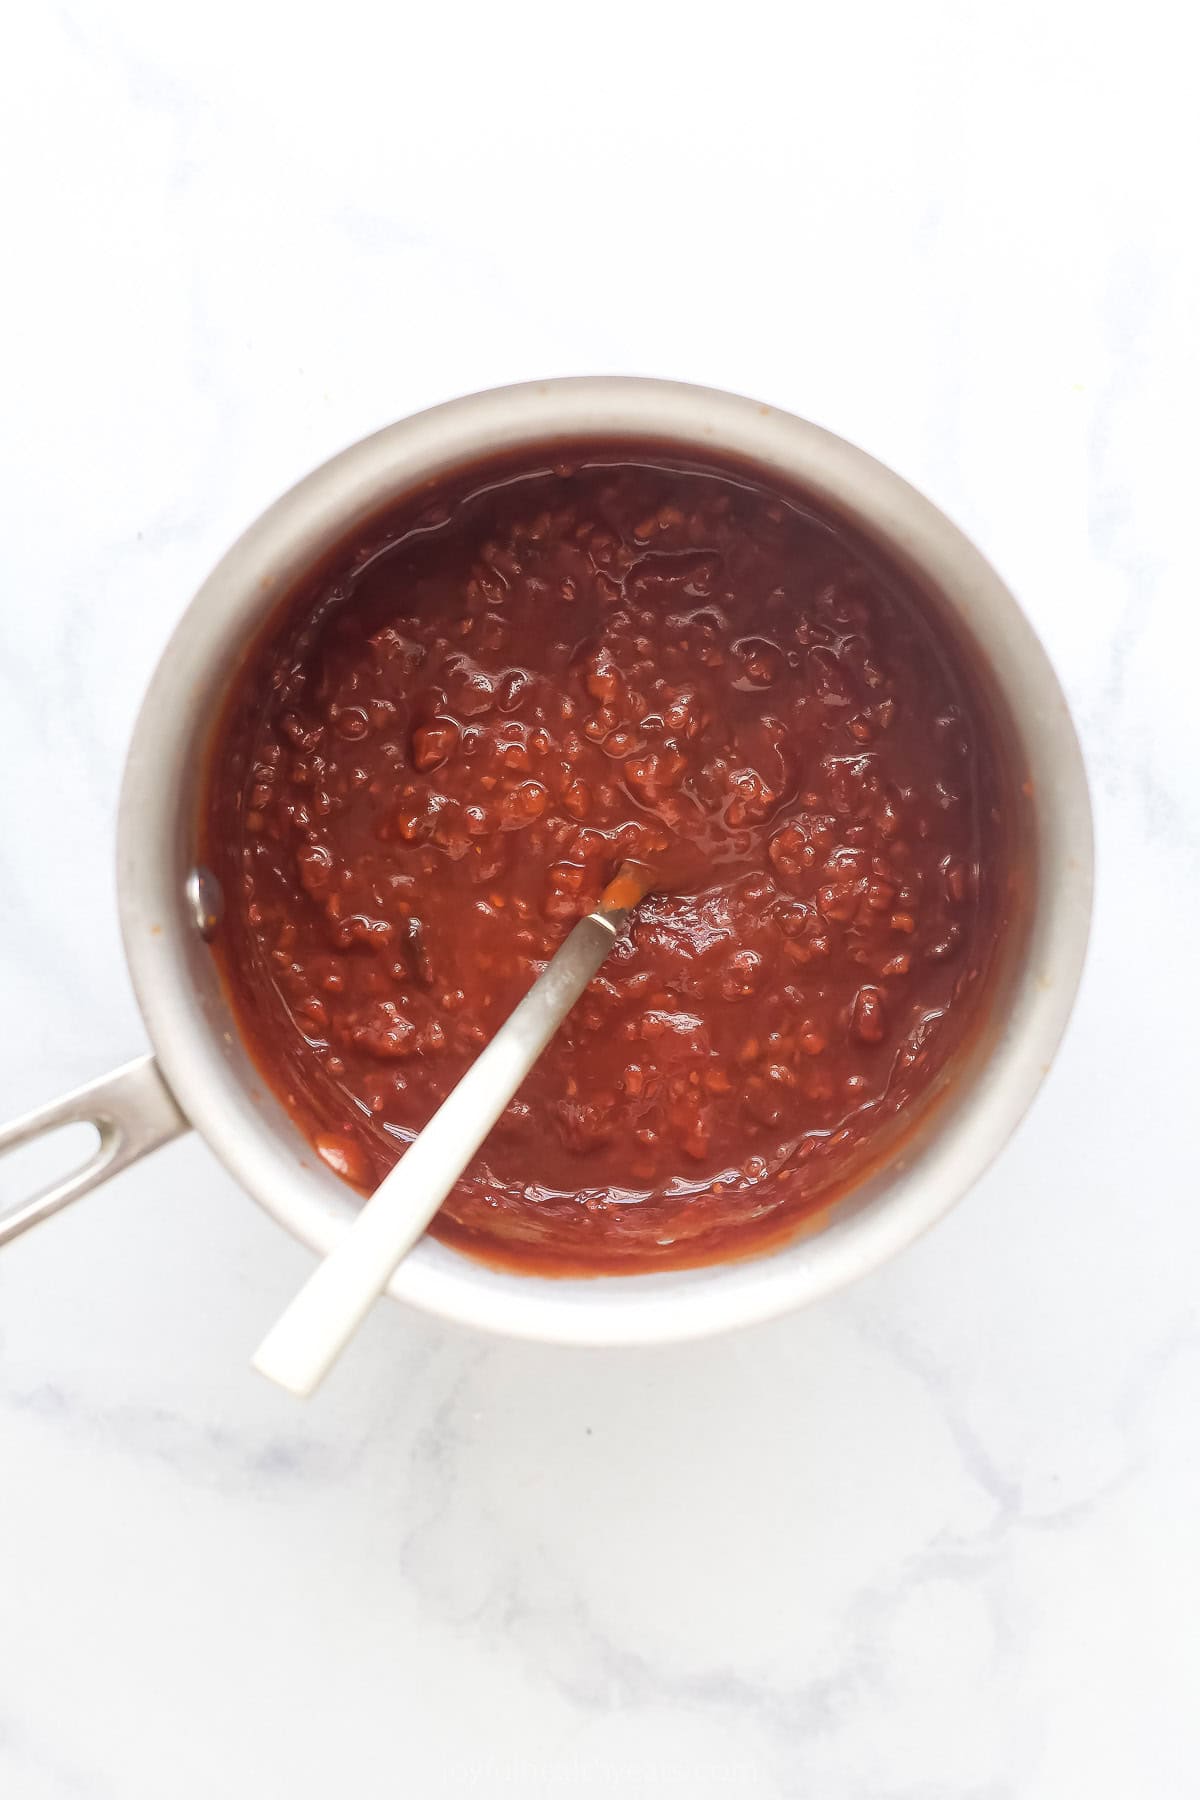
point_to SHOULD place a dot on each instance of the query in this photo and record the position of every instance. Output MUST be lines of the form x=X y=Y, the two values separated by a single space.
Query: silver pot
x=200 y=1073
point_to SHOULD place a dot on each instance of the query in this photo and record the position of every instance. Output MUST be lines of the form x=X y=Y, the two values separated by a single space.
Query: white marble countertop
x=933 y=1540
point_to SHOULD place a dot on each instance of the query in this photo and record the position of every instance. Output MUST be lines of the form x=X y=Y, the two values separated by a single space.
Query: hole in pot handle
x=134 y=1112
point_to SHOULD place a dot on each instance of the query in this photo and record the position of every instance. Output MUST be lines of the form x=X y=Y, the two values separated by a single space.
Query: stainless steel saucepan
x=200 y=1074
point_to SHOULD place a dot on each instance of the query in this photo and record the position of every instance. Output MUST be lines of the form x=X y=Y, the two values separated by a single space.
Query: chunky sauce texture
x=438 y=758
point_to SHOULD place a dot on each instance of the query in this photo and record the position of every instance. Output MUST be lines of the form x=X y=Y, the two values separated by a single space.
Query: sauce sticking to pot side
x=435 y=761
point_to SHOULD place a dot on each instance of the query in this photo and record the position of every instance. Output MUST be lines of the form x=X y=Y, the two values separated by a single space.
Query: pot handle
x=133 y=1110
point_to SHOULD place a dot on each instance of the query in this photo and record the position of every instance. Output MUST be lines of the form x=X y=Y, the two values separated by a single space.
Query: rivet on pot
x=206 y=902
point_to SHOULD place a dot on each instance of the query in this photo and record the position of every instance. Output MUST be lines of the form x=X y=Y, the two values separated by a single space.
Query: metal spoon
x=300 y=1349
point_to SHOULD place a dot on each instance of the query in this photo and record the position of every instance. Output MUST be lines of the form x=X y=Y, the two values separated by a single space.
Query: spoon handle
x=299 y=1350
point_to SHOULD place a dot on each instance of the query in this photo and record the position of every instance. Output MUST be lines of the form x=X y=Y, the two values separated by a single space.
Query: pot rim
x=250 y=1131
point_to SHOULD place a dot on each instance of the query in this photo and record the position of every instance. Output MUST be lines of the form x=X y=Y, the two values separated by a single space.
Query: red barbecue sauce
x=445 y=745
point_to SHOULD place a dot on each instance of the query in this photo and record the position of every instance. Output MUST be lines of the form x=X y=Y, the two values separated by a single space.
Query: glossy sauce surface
x=443 y=750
